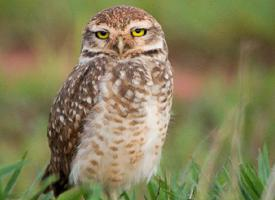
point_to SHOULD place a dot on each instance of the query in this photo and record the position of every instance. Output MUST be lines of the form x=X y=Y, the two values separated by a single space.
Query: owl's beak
x=119 y=45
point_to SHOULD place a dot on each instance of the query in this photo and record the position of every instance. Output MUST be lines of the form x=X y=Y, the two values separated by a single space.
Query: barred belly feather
x=124 y=132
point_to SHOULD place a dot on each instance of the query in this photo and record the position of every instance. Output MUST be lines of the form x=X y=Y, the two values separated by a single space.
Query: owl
x=109 y=121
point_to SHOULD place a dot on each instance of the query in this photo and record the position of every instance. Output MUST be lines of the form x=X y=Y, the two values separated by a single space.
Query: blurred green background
x=223 y=54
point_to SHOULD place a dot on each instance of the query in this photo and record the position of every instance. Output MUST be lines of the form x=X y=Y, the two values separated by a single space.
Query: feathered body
x=110 y=118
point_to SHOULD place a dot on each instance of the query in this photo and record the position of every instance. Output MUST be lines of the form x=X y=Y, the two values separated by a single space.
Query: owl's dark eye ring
x=103 y=35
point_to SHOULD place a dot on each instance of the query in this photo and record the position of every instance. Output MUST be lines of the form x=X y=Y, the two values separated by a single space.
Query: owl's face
x=122 y=31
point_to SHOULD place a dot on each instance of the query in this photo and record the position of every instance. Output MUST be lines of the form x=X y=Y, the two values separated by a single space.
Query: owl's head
x=123 y=31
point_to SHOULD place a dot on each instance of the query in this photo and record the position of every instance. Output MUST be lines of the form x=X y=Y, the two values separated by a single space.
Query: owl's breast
x=124 y=132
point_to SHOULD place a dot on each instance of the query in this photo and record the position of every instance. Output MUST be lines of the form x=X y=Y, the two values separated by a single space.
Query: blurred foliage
x=206 y=24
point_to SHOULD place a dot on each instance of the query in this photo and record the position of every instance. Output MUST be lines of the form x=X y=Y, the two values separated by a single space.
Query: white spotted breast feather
x=71 y=106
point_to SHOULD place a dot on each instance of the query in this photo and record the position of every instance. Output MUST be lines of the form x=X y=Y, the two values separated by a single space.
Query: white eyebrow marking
x=100 y=27
x=140 y=24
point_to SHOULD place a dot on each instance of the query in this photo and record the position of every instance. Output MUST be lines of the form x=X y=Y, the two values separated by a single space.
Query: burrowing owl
x=110 y=118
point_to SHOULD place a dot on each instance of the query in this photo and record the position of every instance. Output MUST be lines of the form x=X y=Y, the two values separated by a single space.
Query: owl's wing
x=71 y=106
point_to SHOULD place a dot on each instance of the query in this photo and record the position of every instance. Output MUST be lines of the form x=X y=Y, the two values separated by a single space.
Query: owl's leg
x=112 y=195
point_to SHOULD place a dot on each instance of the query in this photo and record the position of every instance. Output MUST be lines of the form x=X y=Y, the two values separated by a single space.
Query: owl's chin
x=130 y=53
x=125 y=55
x=88 y=54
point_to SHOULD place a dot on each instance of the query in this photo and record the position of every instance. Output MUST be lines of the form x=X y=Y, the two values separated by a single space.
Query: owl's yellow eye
x=138 y=32
x=102 y=35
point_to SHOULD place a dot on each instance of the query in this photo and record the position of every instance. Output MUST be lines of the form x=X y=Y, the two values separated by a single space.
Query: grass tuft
x=251 y=184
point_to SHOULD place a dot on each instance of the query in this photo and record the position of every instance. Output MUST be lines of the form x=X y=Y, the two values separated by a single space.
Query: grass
x=252 y=184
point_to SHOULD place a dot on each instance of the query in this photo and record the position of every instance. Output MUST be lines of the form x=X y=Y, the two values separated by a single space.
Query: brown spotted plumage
x=110 y=118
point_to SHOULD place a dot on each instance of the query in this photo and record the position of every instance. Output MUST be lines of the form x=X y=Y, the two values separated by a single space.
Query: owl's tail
x=59 y=186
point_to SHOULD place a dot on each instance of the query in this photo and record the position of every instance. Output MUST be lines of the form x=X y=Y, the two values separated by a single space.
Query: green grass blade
x=72 y=194
x=250 y=185
x=1 y=191
x=12 y=181
x=47 y=197
x=125 y=196
x=263 y=165
x=269 y=190
x=4 y=171
x=43 y=187
x=133 y=196
x=31 y=188
x=151 y=190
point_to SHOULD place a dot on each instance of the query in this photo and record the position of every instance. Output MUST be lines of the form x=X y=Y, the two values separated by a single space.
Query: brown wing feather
x=71 y=106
